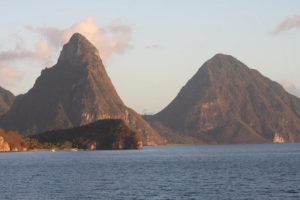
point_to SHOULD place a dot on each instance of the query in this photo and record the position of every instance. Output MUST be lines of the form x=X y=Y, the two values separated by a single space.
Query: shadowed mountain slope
x=6 y=100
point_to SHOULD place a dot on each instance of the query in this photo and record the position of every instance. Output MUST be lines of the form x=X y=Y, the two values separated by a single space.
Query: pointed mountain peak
x=78 y=48
x=221 y=63
x=77 y=37
x=74 y=92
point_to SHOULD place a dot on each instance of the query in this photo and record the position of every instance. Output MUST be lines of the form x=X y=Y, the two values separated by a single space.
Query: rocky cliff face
x=227 y=102
x=6 y=100
x=12 y=142
x=4 y=146
x=76 y=91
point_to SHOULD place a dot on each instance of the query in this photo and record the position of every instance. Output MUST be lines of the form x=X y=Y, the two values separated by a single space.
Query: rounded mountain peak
x=222 y=56
x=78 y=48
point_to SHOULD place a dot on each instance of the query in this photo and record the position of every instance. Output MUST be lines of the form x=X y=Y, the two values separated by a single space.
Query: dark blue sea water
x=168 y=172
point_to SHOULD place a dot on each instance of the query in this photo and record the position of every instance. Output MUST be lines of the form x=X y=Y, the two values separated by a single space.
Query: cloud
x=8 y=76
x=109 y=39
x=290 y=23
x=290 y=87
x=16 y=54
x=287 y=83
x=42 y=50
x=113 y=38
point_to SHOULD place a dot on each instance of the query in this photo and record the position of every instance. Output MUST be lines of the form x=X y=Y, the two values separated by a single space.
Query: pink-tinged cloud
x=287 y=83
x=290 y=23
x=113 y=38
x=16 y=54
x=290 y=87
x=42 y=50
x=9 y=76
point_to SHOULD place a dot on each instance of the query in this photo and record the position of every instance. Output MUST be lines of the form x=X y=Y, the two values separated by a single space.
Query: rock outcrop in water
x=102 y=134
x=226 y=102
x=6 y=100
x=74 y=92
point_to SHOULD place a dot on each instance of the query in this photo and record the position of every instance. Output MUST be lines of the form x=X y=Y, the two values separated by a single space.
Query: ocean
x=258 y=172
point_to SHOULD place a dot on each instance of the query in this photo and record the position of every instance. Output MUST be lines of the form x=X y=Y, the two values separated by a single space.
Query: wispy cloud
x=16 y=54
x=113 y=38
x=9 y=76
x=109 y=39
x=41 y=51
x=290 y=87
x=289 y=23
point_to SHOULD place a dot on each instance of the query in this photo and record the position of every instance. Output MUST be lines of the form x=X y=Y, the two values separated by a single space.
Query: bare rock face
x=226 y=102
x=12 y=142
x=74 y=92
x=278 y=139
x=6 y=100
x=4 y=146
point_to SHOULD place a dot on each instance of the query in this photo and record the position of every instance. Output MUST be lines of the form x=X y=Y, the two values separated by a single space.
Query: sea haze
x=265 y=171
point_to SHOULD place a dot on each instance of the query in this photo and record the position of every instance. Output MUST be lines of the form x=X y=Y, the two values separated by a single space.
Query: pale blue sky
x=169 y=41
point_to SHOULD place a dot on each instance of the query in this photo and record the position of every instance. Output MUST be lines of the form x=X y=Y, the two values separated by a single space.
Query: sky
x=151 y=48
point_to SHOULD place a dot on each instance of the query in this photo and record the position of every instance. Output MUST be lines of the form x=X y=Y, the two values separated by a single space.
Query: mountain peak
x=222 y=63
x=221 y=56
x=227 y=102
x=74 y=92
x=77 y=37
x=222 y=59
x=79 y=40
x=78 y=48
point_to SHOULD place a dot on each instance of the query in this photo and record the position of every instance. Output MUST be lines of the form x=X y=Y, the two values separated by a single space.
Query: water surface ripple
x=265 y=171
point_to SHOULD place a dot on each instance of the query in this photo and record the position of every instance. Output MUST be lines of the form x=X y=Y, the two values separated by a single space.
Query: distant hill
x=6 y=100
x=102 y=134
x=74 y=92
x=226 y=102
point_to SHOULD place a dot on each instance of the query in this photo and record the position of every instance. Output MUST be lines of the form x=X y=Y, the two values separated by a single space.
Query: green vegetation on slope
x=102 y=134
